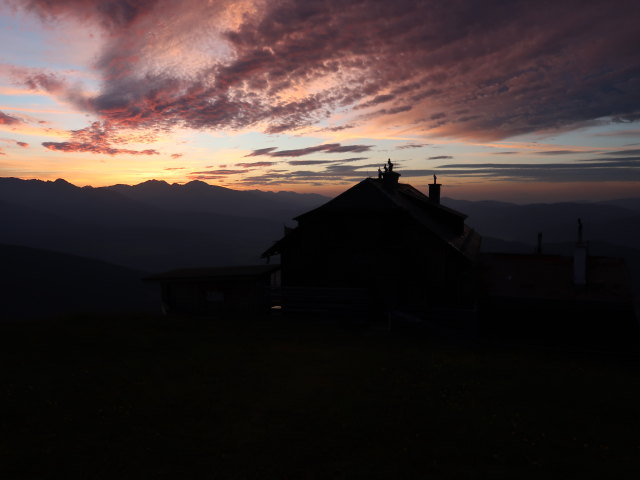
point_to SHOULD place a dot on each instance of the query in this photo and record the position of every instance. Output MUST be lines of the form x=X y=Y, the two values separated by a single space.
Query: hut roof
x=377 y=196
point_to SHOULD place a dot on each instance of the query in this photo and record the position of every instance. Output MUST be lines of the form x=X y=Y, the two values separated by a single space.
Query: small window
x=276 y=279
x=215 y=296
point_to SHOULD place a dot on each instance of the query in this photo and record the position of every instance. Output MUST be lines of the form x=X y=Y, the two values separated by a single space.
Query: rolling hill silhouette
x=40 y=283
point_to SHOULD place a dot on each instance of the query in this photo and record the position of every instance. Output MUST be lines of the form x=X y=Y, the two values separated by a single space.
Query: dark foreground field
x=147 y=398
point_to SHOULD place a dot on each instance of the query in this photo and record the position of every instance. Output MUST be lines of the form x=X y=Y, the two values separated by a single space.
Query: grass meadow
x=147 y=397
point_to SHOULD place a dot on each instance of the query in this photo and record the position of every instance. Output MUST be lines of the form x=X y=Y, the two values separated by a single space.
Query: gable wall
x=385 y=253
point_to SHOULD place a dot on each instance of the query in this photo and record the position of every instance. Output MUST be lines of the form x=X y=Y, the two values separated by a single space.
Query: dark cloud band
x=451 y=67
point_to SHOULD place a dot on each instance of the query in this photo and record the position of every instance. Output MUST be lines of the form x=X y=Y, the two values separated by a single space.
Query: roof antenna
x=580 y=259
x=579 y=230
x=539 y=249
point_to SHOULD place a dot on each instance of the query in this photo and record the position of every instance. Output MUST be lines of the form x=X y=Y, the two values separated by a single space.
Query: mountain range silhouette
x=156 y=226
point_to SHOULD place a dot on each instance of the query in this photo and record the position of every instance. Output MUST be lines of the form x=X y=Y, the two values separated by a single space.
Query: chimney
x=434 y=190
x=389 y=177
x=580 y=259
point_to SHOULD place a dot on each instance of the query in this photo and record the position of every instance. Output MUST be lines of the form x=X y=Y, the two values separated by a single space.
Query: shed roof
x=215 y=272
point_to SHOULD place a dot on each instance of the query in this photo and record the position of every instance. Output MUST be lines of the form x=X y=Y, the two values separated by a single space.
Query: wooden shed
x=217 y=291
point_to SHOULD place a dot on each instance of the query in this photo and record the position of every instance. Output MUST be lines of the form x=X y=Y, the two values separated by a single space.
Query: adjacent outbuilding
x=217 y=291
x=560 y=297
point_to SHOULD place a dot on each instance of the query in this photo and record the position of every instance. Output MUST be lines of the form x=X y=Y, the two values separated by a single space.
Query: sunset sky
x=507 y=100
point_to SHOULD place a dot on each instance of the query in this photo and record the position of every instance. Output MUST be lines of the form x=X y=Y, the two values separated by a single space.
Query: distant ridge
x=200 y=196
x=153 y=226
x=603 y=221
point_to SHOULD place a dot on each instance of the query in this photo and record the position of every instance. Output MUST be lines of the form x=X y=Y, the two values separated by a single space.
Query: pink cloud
x=459 y=68
x=261 y=151
x=8 y=119
x=92 y=148
x=219 y=172
x=256 y=164
x=14 y=142
x=327 y=147
x=37 y=79
x=97 y=138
